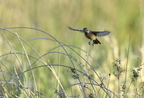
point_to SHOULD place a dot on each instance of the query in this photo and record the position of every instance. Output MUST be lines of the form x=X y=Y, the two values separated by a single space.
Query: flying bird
x=92 y=35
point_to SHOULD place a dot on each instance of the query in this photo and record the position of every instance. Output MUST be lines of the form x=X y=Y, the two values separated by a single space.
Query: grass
x=40 y=57
x=64 y=71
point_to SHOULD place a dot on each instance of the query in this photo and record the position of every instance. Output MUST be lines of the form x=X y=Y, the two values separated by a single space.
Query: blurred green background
x=123 y=18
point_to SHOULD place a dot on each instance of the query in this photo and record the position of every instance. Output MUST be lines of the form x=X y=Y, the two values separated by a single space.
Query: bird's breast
x=90 y=36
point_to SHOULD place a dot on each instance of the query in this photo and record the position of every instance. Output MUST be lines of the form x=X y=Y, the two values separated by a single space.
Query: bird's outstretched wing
x=100 y=33
x=75 y=29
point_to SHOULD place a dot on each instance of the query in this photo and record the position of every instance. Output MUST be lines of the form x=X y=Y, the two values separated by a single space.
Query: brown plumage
x=92 y=35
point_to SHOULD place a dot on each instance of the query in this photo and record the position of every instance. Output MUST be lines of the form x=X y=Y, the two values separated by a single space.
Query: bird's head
x=86 y=30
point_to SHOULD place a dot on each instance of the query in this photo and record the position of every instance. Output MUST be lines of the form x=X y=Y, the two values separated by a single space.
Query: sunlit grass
x=55 y=61
x=64 y=70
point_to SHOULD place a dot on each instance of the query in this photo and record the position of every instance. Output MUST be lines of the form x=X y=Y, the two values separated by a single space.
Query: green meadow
x=41 y=58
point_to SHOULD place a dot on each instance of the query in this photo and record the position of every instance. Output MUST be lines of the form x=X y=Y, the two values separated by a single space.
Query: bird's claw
x=90 y=43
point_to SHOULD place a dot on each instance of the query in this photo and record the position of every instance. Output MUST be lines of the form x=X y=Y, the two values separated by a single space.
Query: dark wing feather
x=100 y=33
x=75 y=29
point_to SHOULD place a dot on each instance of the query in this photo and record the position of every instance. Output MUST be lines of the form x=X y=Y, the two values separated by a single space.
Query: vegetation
x=41 y=58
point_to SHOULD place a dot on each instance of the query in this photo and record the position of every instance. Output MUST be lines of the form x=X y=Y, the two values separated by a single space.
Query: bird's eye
x=87 y=30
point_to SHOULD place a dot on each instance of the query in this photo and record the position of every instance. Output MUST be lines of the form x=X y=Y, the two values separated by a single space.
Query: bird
x=92 y=35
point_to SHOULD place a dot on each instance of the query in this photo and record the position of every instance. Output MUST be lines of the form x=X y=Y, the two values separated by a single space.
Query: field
x=41 y=58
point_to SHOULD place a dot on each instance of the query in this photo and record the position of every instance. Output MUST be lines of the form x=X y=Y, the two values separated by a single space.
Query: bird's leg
x=90 y=43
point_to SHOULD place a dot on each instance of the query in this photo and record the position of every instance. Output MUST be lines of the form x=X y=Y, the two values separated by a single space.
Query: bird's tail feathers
x=96 y=41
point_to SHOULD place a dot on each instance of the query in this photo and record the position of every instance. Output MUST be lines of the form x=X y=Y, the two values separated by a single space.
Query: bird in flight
x=92 y=35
